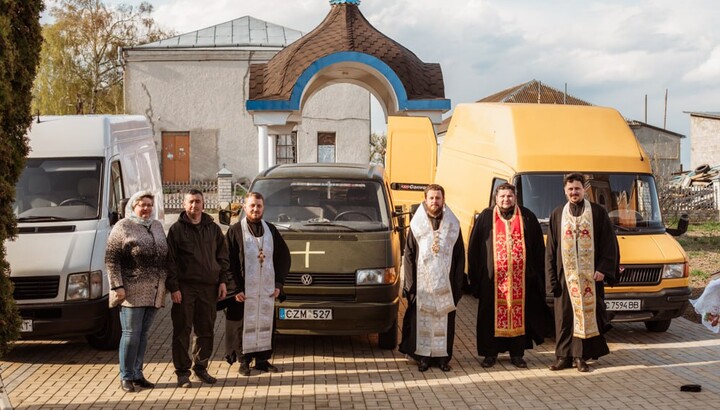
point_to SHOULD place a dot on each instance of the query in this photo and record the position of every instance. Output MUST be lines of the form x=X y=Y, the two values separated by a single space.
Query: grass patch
x=700 y=274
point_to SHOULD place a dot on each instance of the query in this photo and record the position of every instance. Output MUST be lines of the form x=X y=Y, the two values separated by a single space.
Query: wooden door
x=176 y=157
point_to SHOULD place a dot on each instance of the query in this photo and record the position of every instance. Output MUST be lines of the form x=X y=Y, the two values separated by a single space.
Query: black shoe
x=580 y=364
x=245 y=368
x=423 y=365
x=445 y=367
x=202 y=374
x=518 y=361
x=489 y=361
x=266 y=367
x=127 y=385
x=183 y=380
x=561 y=363
x=144 y=383
x=231 y=358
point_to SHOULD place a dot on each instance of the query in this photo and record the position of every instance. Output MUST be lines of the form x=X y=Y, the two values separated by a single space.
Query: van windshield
x=324 y=204
x=630 y=199
x=55 y=189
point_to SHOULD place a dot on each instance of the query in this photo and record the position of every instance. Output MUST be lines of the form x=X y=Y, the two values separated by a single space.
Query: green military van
x=338 y=222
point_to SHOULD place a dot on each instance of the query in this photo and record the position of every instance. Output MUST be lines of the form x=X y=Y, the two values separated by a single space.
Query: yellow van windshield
x=630 y=199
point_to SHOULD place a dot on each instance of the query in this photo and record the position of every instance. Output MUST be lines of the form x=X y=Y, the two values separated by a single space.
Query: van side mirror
x=682 y=226
x=224 y=216
x=121 y=207
x=114 y=218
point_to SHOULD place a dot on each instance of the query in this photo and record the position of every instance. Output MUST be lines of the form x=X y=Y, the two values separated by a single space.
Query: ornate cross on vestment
x=261 y=255
x=435 y=248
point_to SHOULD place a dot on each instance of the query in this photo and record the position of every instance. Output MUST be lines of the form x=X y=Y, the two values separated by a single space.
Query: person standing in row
x=135 y=264
x=198 y=269
x=259 y=262
x=506 y=255
x=433 y=266
x=581 y=252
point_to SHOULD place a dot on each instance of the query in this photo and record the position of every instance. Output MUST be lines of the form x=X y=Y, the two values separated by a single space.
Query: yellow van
x=532 y=146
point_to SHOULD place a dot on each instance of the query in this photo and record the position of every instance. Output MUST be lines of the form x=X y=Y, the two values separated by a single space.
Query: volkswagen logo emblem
x=306 y=279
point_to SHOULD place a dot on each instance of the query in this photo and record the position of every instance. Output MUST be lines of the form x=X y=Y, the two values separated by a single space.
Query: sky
x=609 y=53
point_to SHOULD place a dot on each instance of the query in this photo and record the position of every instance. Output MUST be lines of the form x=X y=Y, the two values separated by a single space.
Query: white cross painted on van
x=307 y=253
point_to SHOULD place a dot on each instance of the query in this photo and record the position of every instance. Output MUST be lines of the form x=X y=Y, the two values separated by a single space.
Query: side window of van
x=116 y=187
x=496 y=183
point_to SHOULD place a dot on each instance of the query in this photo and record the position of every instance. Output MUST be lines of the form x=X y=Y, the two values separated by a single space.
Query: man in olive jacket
x=198 y=269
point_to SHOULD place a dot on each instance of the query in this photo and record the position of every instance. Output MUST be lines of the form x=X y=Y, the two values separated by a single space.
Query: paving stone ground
x=644 y=371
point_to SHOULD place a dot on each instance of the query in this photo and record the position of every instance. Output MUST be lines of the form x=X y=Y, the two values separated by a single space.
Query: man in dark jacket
x=198 y=268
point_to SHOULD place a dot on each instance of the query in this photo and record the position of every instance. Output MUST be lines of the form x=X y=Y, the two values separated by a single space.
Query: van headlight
x=83 y=286
x=375 y=276
x=673 y=270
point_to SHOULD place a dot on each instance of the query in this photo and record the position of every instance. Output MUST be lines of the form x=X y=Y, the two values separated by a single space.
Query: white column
x=262 y=147
x=272 y=150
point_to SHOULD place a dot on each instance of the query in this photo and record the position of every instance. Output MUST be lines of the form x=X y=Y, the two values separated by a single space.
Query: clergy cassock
x=580 y=241
x=506 y=255
x=259 y=262
x=433 y=267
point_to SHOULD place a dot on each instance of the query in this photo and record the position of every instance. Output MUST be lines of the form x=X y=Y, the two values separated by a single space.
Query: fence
x=173 y=193
x=700 y=203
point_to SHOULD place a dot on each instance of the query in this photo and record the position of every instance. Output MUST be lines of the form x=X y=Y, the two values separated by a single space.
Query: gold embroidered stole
x=578 y=255
x=509 y=259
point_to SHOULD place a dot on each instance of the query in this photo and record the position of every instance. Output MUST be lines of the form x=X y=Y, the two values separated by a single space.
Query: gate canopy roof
x=345 y=47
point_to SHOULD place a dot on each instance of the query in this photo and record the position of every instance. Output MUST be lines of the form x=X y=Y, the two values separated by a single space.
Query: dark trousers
x=196 y=312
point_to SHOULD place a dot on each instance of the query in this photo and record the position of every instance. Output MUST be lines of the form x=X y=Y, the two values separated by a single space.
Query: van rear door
x=410 y=159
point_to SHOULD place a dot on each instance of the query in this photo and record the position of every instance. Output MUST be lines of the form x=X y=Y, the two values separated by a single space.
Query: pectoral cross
x=261 y=257
x=435 y=248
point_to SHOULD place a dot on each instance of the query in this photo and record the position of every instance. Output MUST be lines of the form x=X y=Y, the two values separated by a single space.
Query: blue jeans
x=135 y=324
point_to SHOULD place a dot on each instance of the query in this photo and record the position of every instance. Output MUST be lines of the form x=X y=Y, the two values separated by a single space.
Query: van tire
x=108 y=337
x=658 y=326
x=389 y=340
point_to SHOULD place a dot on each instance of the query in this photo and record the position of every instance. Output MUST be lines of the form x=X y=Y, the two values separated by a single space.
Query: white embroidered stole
x=578 y=255
x=509 y=278
x=259 y=286
x=434 y=292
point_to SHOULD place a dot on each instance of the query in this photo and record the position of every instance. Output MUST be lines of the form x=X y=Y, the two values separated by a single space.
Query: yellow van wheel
x=658 y=326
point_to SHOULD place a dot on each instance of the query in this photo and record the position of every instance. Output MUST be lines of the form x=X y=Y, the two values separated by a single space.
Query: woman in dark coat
x=135 y=264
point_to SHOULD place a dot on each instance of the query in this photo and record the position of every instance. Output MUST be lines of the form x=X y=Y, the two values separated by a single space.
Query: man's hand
x=120 y=292
x=275 y=294
x=222 y=291
x=240 y=297
x=598 y=276
x=176 y=296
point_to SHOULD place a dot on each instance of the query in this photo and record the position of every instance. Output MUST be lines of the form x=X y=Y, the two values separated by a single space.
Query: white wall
x=704 y=141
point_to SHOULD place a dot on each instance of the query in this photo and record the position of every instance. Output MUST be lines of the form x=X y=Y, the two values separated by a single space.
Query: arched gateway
x=344 y=48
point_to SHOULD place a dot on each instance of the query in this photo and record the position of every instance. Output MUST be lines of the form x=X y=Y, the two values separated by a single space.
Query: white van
x=79 y=170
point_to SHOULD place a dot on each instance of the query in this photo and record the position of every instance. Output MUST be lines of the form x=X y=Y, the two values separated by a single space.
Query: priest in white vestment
x=259 y=262
x=433 y=267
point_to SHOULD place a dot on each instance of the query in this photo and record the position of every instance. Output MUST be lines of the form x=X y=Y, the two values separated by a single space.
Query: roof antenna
x=38 y=116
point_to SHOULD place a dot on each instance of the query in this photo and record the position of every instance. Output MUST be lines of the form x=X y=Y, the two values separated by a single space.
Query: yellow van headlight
x=83 y=286
x=382 y=276
x=673 y=270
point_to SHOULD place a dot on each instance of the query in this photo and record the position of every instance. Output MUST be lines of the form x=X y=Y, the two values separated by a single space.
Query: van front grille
x=36 y=287
x=640 y=275
x=320 y=298
x=321 y=279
